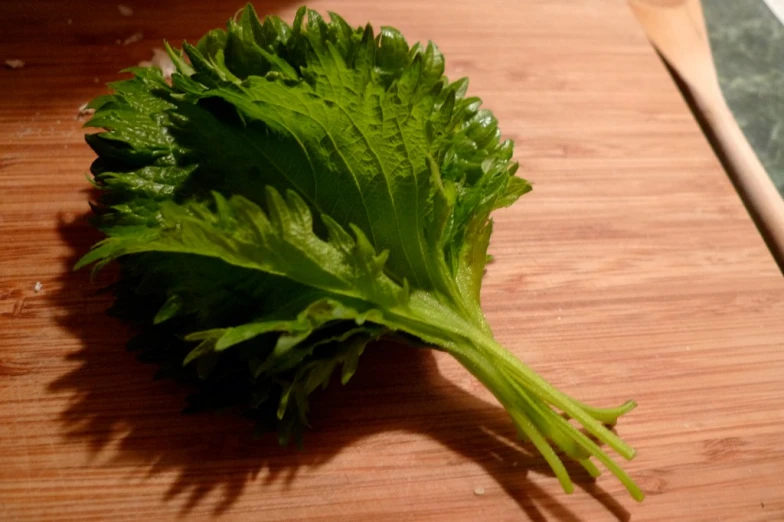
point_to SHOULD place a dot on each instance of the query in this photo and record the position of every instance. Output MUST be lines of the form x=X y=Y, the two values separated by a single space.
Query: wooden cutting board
x=631 y=271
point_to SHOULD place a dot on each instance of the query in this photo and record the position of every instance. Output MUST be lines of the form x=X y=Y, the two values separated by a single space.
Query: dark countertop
x=748 y=48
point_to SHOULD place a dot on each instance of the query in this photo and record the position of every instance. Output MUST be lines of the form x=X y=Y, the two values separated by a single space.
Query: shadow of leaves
x=132 y=421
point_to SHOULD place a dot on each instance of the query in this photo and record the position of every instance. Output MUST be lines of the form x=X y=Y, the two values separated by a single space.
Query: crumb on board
x=135 y=37
x=161 y=60
x=124 y=10
x=69 y=21
x=479 y=491
x=14 y=64
x=38 y=287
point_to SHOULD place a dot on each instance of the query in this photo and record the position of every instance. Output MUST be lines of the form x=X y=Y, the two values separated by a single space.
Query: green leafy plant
x=298 y=191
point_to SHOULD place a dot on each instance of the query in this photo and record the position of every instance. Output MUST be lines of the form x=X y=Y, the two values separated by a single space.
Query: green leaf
x=298 y=191
x=343 y=350
x=280 y=241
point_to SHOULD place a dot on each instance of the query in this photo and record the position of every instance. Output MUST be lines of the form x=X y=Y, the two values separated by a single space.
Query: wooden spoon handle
x=677 y=29
x=751 y=179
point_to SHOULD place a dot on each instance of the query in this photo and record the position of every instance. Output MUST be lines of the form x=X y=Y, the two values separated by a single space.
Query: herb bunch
x=296 y=192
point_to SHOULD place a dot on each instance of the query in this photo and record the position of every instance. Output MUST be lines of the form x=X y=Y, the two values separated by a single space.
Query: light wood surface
x=677 y=29
x=631 y=271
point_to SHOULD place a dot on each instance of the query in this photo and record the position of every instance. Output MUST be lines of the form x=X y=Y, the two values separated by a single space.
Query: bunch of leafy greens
x=298 y=191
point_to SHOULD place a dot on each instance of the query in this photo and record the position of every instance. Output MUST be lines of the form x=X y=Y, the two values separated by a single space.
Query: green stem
x=545 y=391
x=531 y=402
x=608 y=416
x=590 y=467
x=524 y=394
x=523 y=417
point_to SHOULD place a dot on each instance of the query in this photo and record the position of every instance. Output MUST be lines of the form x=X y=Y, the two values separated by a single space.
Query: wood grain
x=631 y=271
